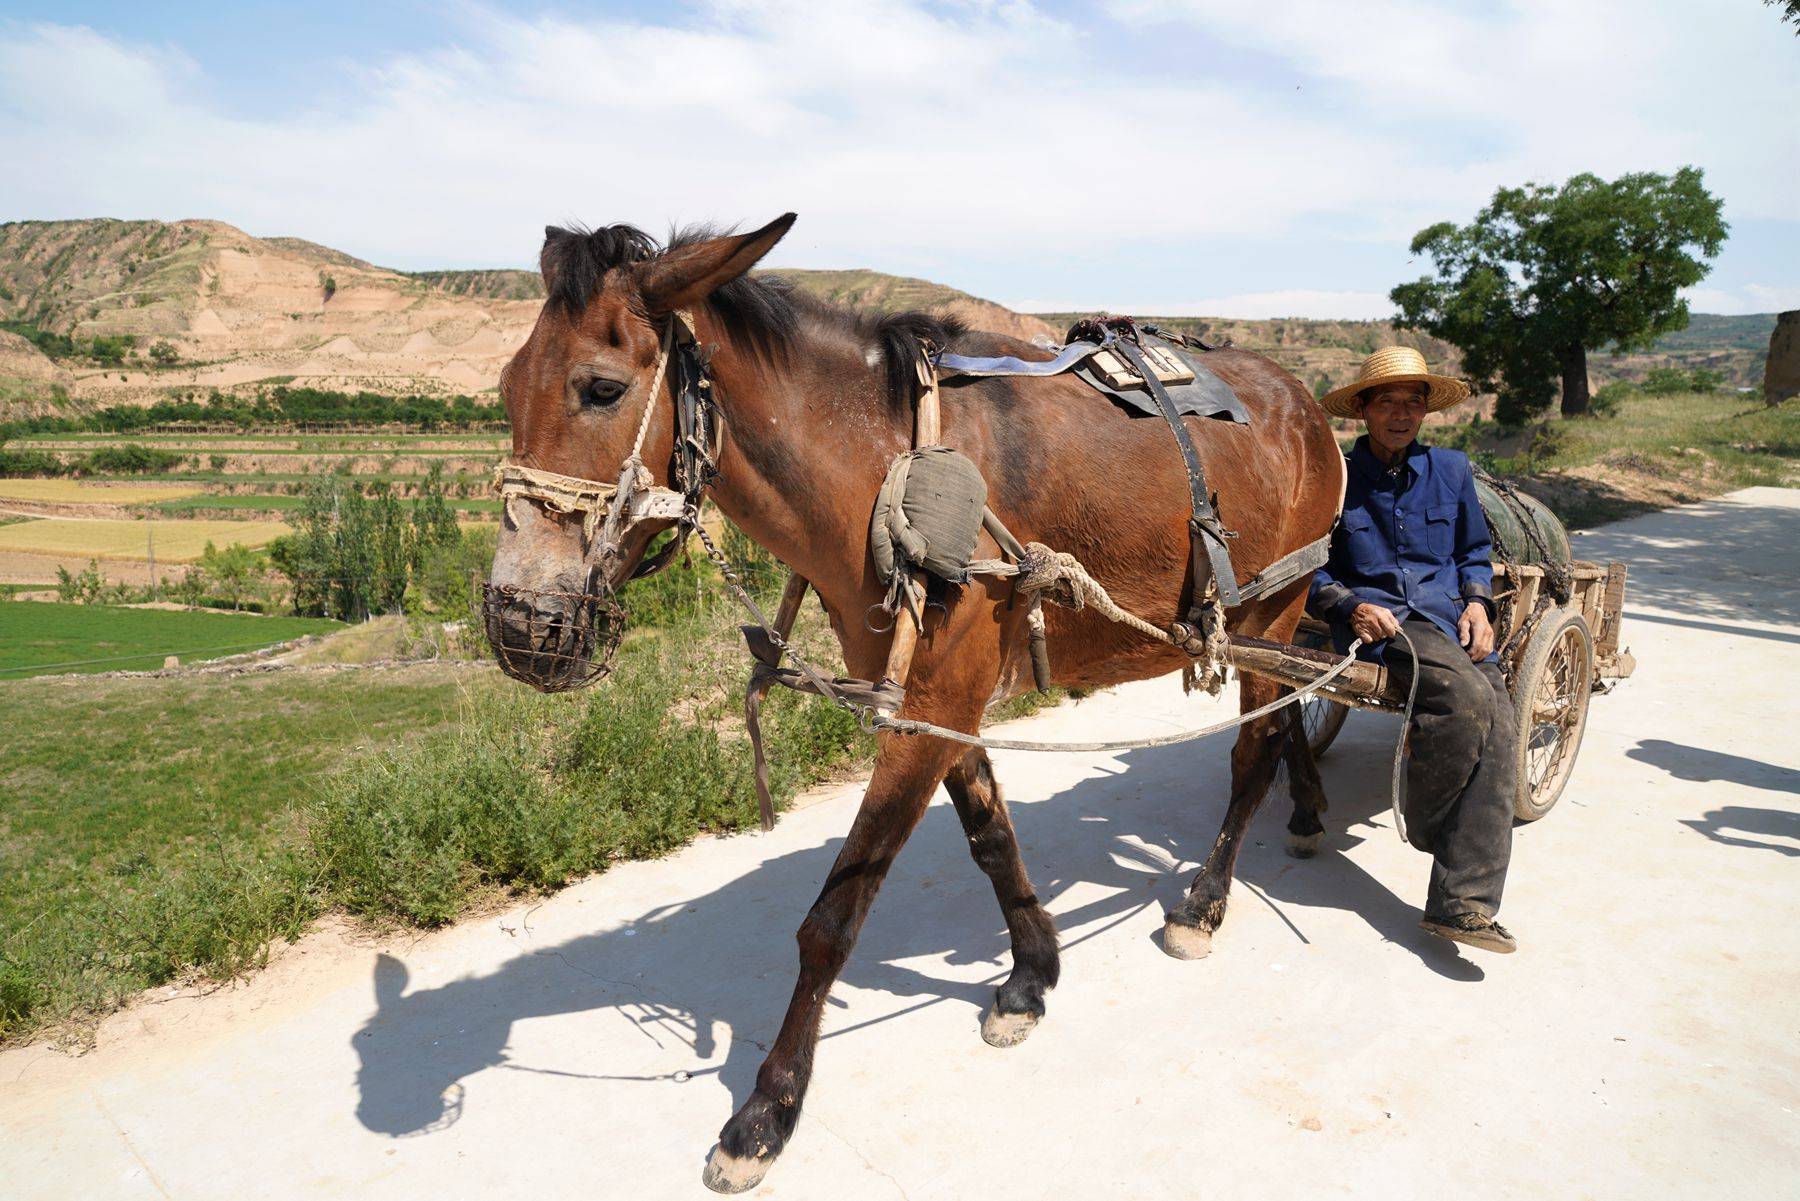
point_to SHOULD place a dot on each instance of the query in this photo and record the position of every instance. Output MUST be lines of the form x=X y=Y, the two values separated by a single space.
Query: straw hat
x=1396 y=365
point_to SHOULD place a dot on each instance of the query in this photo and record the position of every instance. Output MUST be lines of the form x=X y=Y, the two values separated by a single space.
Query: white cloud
x=1751 y=298
x=964 y=141
x=1297 y=302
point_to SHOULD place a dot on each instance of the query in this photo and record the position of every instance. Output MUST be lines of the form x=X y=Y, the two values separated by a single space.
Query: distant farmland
x=36 y=638
x=81 y=492
x=175 y=541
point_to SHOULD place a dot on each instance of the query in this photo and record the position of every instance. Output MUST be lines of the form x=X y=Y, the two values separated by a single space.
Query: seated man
x=1409 y=574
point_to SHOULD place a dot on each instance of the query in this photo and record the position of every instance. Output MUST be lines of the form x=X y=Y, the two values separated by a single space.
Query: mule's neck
x=807 y=443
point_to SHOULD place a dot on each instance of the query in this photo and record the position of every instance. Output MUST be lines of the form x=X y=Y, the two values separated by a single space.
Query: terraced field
x=107 y=539
x=85 y=492
x=226 y=486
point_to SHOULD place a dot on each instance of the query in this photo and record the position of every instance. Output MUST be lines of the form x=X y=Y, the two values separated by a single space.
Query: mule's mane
x=762 y=314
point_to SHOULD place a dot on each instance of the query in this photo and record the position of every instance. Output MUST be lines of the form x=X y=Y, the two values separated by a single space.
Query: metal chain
x=866 y=715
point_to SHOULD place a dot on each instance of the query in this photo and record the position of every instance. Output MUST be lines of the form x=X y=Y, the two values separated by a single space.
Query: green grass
x=1657 y=450
x=149 y=827
x=1749 y=442
x=155 y=829
x=41 y=637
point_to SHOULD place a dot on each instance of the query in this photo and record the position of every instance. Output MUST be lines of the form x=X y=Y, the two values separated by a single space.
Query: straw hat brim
x=1441 y=392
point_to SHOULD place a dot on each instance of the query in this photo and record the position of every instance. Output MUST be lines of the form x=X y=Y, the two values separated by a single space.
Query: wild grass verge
x=518 y=794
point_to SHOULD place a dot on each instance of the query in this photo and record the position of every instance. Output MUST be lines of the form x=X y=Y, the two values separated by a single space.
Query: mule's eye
x=598 y=393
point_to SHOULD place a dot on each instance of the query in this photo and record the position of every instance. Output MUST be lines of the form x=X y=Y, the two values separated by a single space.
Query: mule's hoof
x=1186 y=942
x=1305 y=846
x=727 y=1173
x=1007 y=1029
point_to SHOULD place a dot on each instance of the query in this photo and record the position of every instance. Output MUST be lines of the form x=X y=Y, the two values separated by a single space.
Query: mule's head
x=576 y=394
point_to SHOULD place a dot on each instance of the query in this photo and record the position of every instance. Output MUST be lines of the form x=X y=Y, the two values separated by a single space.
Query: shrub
x=1666 y=381
x=1606 y=401
x=130 y=459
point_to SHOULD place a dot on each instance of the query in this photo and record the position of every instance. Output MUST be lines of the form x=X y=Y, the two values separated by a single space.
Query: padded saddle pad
x=1207 y=396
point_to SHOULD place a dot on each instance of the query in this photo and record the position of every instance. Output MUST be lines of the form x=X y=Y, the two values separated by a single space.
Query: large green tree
x=1545 y=274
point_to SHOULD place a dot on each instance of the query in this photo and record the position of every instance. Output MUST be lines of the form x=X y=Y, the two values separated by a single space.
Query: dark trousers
x=1460 y=779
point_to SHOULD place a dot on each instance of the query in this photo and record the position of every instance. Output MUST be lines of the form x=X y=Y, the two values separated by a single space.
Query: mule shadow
x=1750 y=820
x=1702 y=765
x=715 y=970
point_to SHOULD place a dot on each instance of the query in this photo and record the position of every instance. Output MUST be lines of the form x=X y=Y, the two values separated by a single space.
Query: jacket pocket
x=1362 y=537
x=1440 y=531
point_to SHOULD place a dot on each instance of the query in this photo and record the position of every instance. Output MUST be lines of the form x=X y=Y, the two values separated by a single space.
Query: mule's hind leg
x=1188 y=930
x=1305 y=830
x=1018 y=1003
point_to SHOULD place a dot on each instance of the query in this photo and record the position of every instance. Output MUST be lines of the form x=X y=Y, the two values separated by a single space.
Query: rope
x=570 y=494
x=1043 y=569
x=901 y=725
x=662 y=366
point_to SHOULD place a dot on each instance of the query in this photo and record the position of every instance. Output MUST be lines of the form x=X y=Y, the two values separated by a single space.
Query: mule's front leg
x=1019 y=1003
x=907 y=772
x=1188 y=930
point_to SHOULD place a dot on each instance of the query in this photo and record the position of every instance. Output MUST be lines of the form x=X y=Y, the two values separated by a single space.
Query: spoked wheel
x=1320 y=718
x=1550 y=700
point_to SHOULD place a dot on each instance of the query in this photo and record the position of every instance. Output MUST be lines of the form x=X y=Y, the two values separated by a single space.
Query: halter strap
x=635 y=494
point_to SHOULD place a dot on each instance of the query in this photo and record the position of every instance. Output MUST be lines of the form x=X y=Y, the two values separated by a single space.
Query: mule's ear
x=549 y=263
x=689 y=275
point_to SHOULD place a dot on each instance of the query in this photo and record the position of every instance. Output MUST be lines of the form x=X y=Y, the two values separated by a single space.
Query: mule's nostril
x=553 y=641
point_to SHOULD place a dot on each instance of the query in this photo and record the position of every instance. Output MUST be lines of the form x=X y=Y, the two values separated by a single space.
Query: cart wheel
x=1320 y=718
x=1550 y=700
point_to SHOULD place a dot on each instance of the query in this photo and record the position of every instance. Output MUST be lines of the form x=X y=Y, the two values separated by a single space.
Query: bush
x=1666 y=381
x=531 y=791
x=27 y=464
x=1606 y=401
x=129 y=459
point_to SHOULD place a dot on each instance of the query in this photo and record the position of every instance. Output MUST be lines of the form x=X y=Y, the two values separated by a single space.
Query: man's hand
x=1476 y=631
x=1372 y=623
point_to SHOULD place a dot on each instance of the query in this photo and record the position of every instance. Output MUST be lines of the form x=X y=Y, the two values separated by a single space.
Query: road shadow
x=1675 y=560
x=1749 y=819
x=1702 y=765
x=715 y=970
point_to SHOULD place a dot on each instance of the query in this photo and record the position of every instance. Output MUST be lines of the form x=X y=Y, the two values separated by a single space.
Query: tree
x=1789 y=10
x=1545 y=274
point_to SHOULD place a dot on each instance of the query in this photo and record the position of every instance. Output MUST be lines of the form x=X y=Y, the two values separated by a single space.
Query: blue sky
x=1236 y=157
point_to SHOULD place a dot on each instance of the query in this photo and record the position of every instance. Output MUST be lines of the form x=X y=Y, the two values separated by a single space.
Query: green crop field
x=37 y=636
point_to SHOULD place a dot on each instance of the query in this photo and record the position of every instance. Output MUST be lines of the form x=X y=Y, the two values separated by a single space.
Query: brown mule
x=816 y=403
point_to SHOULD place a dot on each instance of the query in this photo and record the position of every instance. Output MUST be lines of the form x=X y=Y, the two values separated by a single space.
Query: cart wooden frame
x=1555 y=656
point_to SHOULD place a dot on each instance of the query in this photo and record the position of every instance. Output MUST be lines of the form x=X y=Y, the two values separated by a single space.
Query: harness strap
x=1287 y=569
x=1208 y=535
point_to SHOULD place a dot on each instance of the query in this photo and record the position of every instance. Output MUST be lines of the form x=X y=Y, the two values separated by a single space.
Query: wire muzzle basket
x=554 y=641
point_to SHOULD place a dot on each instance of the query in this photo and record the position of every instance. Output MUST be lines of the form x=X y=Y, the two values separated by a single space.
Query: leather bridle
x=612 y=511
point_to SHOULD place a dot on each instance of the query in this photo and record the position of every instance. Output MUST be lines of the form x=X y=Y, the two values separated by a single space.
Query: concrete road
x=1642 y=1044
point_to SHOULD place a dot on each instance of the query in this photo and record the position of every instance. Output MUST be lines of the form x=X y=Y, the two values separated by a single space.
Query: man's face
x=1393 y=414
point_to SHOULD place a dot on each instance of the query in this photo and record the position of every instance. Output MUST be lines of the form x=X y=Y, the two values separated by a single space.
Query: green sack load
x=928 y=514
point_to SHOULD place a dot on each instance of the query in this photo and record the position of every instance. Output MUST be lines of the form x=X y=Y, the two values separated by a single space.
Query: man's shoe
x=1472 y=929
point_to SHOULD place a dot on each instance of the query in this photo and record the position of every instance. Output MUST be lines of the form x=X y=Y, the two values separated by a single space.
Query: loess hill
x=238 y=312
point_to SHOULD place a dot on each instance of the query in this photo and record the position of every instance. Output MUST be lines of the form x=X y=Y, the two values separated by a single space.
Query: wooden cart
x=1555 y=656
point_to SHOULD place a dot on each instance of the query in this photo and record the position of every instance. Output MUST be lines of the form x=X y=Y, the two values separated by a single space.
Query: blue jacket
x=1413 y=540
